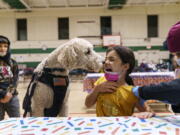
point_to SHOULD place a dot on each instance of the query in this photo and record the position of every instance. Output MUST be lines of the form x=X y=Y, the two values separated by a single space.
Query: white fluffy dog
x=40 y=96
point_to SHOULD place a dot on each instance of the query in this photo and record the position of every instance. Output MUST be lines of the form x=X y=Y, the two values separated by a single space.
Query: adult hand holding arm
x=168 y=92
x=105 y=87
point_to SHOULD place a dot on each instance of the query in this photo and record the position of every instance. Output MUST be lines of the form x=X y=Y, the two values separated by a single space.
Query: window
x=152 y=25
x=106 y=25
x=63 y=28
x=21 y=29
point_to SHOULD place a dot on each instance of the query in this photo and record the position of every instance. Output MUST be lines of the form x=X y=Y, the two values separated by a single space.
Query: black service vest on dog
x=59 y=86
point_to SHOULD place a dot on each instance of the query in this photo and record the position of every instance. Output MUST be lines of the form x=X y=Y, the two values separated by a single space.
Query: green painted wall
x=97 y=49
x=31 y=51
x=30 y=64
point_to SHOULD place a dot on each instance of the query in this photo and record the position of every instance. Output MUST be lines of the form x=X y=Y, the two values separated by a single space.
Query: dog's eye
x=88 y=52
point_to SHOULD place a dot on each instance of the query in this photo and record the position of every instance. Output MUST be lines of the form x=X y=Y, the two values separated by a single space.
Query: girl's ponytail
x=129 y=80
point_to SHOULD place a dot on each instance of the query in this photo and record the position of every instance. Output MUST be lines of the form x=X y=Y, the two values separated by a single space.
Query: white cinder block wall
x=130 y=22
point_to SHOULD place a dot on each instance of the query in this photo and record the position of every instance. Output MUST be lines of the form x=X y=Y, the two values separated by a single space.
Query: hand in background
x=144 y=115
x=7 y=98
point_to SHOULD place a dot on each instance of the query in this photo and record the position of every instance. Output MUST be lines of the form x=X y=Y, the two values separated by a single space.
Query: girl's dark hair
x=5 y=58
x=127 y=56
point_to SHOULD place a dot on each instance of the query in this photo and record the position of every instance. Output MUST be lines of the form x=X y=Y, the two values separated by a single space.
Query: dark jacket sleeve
x=167 y=91
x=2 y=94
x=15 y=72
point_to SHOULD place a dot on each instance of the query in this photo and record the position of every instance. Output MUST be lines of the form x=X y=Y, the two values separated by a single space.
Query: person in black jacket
x=168 y=92
x=9 y=101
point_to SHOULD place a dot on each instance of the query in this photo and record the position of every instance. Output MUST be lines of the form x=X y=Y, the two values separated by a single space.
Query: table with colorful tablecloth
x=91 y=126
x=139 y=79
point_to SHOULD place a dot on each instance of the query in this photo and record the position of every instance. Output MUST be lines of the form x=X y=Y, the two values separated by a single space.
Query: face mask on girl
x=112 y=76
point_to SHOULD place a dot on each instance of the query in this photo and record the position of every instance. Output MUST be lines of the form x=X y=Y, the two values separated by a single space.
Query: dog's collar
x=50 y=70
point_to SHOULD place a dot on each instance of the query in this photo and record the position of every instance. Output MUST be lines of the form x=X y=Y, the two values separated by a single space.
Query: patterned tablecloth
x=139 y=79
x=91 y=126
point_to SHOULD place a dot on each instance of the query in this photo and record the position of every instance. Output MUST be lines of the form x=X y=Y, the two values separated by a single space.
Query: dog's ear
x=67 y=55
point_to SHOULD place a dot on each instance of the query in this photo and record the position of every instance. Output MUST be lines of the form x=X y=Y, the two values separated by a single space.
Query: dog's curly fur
x=76 y=53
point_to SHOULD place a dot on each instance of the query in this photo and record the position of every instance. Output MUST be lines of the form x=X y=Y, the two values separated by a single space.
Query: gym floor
x=76 y=98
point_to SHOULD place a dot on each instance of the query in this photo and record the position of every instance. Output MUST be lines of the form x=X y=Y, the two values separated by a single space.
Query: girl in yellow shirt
x=113 y=92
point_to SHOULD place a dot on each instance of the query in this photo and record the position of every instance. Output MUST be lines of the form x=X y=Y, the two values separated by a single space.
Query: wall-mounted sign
x=111 y=40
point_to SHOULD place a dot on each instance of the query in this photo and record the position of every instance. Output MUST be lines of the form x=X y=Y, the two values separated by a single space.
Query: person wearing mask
x=168 y=92
x=9 y=101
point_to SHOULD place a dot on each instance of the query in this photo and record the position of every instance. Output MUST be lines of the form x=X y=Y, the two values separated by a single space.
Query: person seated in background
x=152 y=66
x=113 y=92
x=143 y=66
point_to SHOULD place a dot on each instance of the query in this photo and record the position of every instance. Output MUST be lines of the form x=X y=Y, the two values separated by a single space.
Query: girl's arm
x=143 y=107
x=105 y=87
x=91 y=98
x=144 y=111
x=144 y=115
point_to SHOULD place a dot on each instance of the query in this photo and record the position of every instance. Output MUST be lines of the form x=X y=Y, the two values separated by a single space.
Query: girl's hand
x=144 y=115
x=7 y=98
x=108 y=86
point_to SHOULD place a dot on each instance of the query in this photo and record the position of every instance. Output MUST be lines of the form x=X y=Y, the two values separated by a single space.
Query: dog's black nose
x=103 y=62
